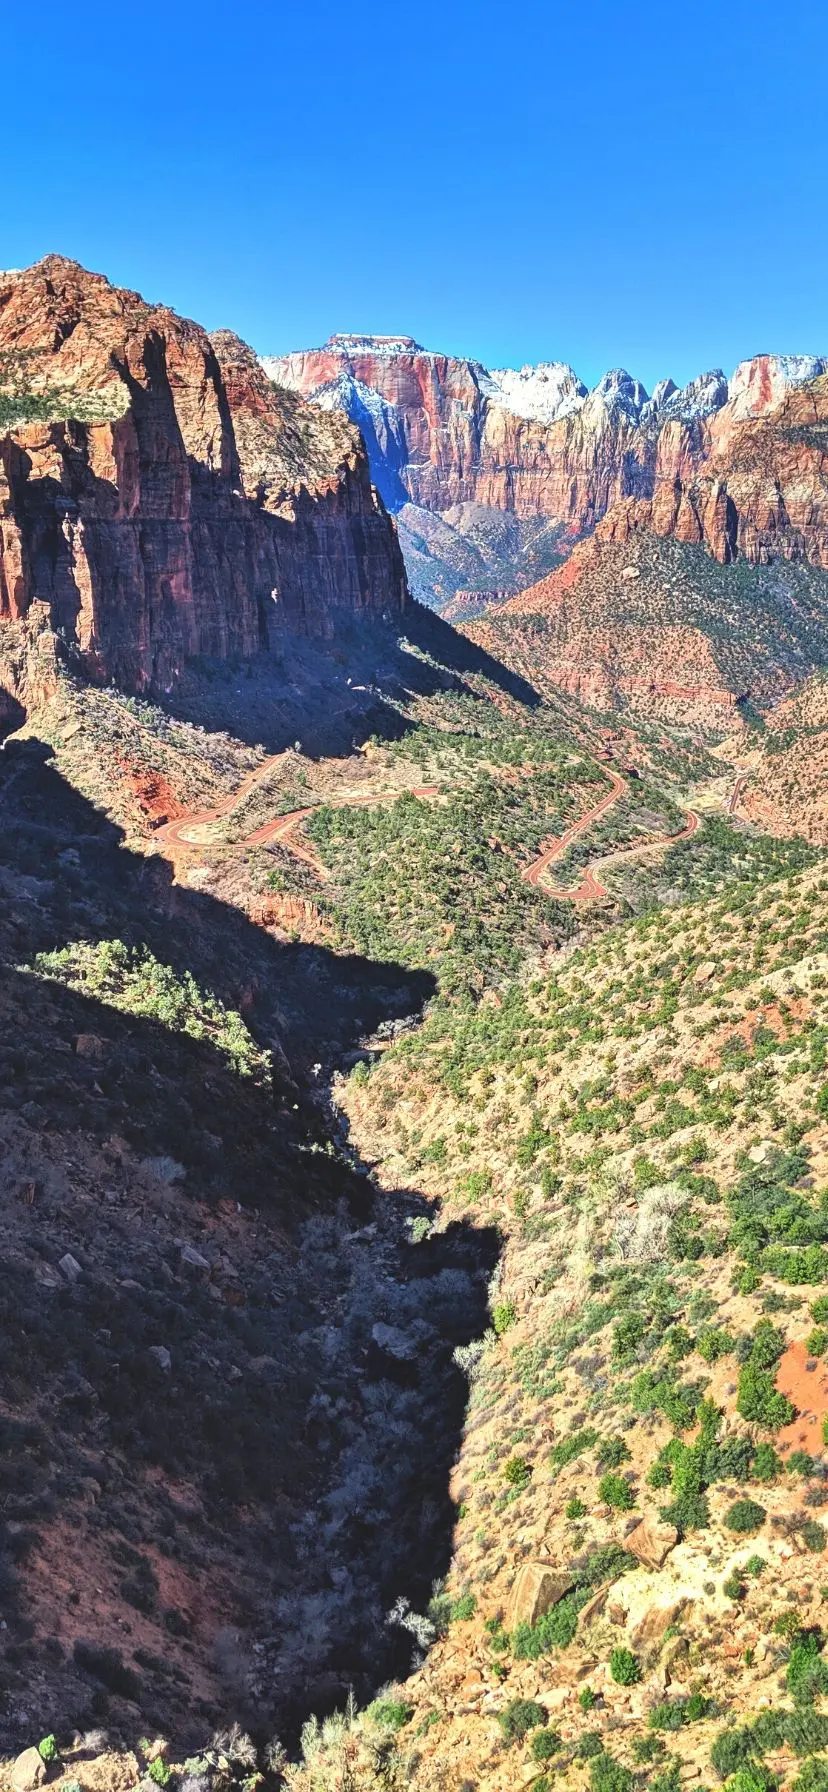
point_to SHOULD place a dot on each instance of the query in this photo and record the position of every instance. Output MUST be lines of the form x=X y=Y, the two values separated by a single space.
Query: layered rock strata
x=161 y=496
x=740 y=466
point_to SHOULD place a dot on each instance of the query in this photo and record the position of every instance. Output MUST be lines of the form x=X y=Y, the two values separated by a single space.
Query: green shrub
x=819 y=1309
x=159 y=1772
x=589 y=1746
x=817 y=1341
x=753 y=1777
x=648 y=1748
x=616 y=1492
x=669 y=1715
x=806 y=1730
x=392 y=1714
x=463 y=1607
x=755 y=1565
x=714 y=1342
x=608 y=1775
x=574 y=1508
x=612 y=1451
x=669 y=1780
x=626 y=1337
x=787 y=1624
x=800 y=1463
x=519 y=1717
x=48 y=1749
x=672 y=1714
x=758 y=1401
x=745 y=1517
x=766 y=1464
x=555 y=1630
x=733 y=1587
x=807 y=1673
x=659 y=1474
x=544 y=1744
x=813 y=1777
x=625 y=1667
x=731 y=1750
x=813 y=1535
x=517 y=1471
x=586 y=1698
x=572 y=1446
x=503 y=1316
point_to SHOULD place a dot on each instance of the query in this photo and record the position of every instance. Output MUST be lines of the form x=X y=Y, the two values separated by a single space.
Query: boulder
x=655 y=1622
x=651 y=1542
x=28 y=1772
x=538 y=1587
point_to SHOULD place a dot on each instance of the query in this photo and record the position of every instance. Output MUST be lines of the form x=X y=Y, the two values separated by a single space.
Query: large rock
x=28 y=1772
x=538 y=1587
x=159 y=492
x=651 y=1542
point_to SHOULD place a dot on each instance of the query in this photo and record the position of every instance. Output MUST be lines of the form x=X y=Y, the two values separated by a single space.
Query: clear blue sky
x=641 y=184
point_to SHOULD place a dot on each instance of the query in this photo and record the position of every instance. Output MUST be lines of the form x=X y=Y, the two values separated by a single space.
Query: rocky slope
x=158 y=492
x=635 y=621
x=739 y=466
x=785 y=765
x=641 y=1489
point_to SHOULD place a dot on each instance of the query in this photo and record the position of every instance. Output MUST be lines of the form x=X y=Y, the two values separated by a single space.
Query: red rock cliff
x=161 y=495
x=740 y=469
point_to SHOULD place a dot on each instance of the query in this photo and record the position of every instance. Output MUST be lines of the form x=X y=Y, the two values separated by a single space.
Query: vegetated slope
x=657 y=627
x=785 y=787
x=197 y=1527
x=460 y=557
x=153 y=1031
x=159 y=493
x=640 y=1490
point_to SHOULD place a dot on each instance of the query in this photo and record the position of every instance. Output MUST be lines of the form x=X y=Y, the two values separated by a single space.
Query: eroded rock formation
x=739 y=466
x=158 y=492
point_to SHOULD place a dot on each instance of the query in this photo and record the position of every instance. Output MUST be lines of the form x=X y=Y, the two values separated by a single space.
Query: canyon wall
x=161 y=496
x=740 y=466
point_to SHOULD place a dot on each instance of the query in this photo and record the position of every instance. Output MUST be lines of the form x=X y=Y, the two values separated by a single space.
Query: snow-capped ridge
x=544 y=392
x=760 y=383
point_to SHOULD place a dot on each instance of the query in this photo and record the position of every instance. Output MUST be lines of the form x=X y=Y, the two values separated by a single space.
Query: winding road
x=176 y=838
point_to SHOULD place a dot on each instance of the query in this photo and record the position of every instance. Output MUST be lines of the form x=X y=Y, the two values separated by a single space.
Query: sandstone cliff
x=739 y=466
x=158 y=492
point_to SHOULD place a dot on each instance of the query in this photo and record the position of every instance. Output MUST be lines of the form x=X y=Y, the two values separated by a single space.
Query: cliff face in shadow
x=230 y=1405
x=161 y=495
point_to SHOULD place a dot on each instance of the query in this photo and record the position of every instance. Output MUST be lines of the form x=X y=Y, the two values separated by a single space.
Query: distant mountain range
x=738 y=465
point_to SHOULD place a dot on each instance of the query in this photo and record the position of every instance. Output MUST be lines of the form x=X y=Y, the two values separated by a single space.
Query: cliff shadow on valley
x=230 y=1405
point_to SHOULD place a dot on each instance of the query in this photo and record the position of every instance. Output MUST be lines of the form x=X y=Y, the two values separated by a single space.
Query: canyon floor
x=412 y=1225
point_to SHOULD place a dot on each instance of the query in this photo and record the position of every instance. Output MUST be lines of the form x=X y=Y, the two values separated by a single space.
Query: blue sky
x=642 y=185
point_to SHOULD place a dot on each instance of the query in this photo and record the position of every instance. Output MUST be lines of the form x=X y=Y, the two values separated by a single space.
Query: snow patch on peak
x=542 y=393
x=760 y=384
x=699 y=398
x=351 y=343
x=662 y=390
x=619 y=392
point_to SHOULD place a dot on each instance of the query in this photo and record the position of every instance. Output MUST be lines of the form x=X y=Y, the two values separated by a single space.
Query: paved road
x=591 y=889
x=176 y=837
x=557 y=847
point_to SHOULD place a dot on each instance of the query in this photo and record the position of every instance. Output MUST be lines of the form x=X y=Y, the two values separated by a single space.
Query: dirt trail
x=590 y=887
